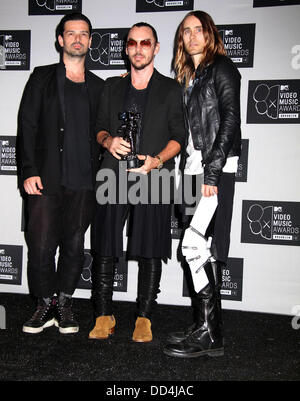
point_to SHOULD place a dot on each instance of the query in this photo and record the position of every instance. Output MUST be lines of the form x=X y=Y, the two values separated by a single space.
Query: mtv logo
x=284 y=87
x=114 y=35
x=8 y=37
x=228 y=32
x=5 y=143
x=2 y=252
x=278 y=209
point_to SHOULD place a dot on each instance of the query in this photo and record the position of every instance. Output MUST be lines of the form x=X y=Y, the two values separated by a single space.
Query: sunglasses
x=146 y=43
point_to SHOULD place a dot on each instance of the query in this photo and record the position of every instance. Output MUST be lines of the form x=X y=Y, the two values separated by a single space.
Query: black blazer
x=42 y=123
x=163 y=120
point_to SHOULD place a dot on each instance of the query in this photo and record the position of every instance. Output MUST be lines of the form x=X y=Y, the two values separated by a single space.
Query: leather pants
x=148 y=285
x=102 y=290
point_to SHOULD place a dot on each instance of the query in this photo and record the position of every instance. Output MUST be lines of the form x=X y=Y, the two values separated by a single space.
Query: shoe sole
x=141 y=341
x=67 y=330
x=36 y=330
x=212 y=353
x=173 y=341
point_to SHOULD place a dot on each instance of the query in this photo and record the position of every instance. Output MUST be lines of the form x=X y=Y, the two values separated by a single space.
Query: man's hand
x=209 y=190
x=33 y=185
x=116 y=146
x=150 y=164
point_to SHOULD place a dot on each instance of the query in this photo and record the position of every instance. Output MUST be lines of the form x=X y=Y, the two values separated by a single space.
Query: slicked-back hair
x=145 y=24
x=72 y=17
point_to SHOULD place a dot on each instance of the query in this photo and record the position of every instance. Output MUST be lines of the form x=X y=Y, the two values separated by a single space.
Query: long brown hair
x=183 y=65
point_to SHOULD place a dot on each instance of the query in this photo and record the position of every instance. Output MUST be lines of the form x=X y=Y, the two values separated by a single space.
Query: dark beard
x=73 y=53
x=141 y=66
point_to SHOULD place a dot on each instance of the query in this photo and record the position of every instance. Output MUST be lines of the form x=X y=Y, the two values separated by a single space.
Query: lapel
x=92 y=97
x=153 y=98
x=119 y=95
x=60 y=78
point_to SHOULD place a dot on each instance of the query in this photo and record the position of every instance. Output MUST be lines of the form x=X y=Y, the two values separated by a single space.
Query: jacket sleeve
x=103 y=115
x=176 y=123
x=29 y=113
x=227 y=85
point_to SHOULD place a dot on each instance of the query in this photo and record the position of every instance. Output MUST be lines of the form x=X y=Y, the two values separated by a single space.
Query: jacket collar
x=201 y=72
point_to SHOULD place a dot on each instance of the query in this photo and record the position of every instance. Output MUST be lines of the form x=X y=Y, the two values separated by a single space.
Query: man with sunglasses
x=157 y=99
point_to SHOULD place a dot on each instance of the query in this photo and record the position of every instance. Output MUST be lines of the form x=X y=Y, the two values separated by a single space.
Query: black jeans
x=57 y=221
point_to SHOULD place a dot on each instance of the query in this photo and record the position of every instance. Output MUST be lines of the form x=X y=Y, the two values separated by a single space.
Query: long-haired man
x=211 y=87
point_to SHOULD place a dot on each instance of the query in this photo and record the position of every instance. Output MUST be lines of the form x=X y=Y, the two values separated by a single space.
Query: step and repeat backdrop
x=262 y=37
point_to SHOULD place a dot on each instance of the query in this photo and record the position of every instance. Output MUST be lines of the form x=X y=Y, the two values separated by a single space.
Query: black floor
x=259 y=347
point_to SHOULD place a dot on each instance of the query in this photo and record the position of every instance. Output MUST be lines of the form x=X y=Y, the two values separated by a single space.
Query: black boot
x=148 y=285
x=43 y=316
x=205 y=337
x=217 y=271
x=102 y=278
x=102 y=293
x=148 y=288
x=177 y=336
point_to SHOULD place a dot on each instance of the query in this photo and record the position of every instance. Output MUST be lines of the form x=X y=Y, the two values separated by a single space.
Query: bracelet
x=103 y=139
x=160 y=162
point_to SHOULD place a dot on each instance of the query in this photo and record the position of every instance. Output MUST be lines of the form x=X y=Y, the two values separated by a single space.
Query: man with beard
x=160 y=133
x=58 y=162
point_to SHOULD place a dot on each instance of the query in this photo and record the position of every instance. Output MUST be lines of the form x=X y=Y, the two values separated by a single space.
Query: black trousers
x=54 y=221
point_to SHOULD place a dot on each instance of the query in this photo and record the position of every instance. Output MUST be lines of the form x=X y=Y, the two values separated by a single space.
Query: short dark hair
x=141 y=24
x=72 y=17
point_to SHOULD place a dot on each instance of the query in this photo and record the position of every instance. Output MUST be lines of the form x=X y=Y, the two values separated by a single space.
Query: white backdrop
x=271 y=273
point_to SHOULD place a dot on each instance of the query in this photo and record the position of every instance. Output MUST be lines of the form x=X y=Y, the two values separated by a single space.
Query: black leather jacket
x=213 y=115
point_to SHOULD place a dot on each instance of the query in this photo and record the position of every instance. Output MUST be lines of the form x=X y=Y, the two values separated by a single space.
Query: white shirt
x=194 y=161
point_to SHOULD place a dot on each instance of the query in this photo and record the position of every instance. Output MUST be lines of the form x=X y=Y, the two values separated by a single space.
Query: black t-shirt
x=135 y=102
x=77 y=170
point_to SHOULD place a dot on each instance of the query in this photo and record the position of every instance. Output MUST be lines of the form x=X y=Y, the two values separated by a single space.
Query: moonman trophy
x=129 y=132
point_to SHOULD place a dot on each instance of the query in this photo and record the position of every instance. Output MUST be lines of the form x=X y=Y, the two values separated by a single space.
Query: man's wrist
x=104 y=138
x=160 y=162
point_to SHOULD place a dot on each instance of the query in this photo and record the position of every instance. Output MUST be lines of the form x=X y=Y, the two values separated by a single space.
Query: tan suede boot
x=142 y=332
x=104 y=327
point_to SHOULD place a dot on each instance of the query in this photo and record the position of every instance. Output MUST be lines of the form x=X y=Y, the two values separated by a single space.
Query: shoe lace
x=40 y=312
x=66 y=313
